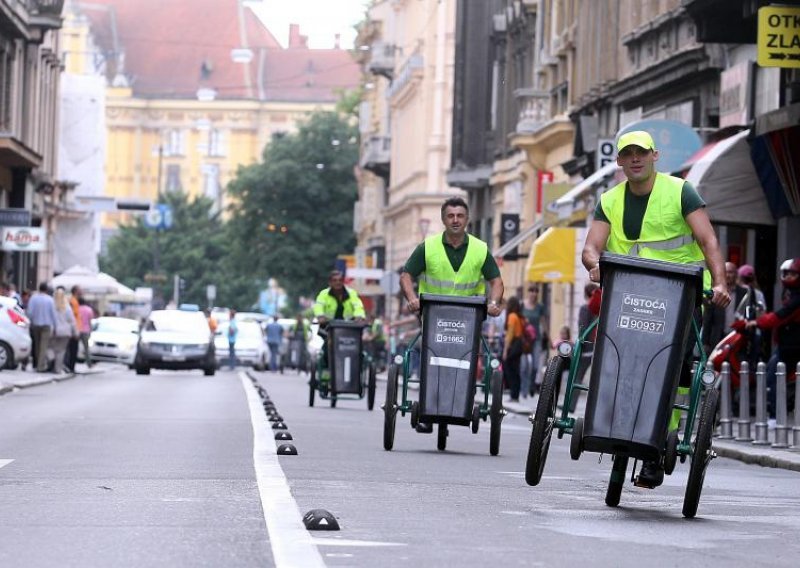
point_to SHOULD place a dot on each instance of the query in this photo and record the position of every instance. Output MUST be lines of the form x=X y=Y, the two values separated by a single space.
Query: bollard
x=781 y=417
x=725 y=421
x=743 y=424
x=762 y=430
x=796 y=429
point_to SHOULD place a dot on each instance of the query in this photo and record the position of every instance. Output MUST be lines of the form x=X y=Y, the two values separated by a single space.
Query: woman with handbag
x=66 y=329
x=512 y=348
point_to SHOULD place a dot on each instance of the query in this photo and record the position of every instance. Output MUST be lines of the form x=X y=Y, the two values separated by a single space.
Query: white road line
x=290 y=541
x=4 y=463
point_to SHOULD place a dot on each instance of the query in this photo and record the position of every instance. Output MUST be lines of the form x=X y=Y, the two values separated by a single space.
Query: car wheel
x=142 y=370
x=209 y=371
x=6 y=356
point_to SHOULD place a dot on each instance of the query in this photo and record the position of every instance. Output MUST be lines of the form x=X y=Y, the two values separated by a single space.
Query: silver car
x=114 y=340
x=15 y=335
x=175 y=339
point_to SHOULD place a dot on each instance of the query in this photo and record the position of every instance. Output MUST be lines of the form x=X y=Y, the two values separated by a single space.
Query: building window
x=174 y=178
x=174 y=142
x=216 y=143
x=211 y=185
x=6 y=84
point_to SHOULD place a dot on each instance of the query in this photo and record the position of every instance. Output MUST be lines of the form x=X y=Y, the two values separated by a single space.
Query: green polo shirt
x=416 y=262
x=636 y=205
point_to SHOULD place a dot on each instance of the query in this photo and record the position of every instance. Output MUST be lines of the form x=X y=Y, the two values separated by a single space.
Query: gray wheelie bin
x=451 y=335
x=344 y=356
x=645 y=321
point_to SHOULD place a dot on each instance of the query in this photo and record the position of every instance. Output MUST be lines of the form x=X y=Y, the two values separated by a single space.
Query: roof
x=172 y=48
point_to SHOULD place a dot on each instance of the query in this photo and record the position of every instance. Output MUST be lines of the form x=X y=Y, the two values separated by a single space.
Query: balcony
x=381 y=60
x=533 y=110
x=46 y=14
x=377 y=155
x=411 y=70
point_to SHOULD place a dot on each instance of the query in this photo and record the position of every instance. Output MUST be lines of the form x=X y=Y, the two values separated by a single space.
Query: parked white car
x=251 y=347
x=114 y=340
x=15 y=335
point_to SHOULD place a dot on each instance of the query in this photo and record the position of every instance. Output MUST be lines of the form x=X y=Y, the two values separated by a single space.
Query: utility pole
x=176 y=293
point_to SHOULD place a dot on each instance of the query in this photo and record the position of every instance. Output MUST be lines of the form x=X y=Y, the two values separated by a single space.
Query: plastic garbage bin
x=645 y=321
x=344 y=358
x=451 y=334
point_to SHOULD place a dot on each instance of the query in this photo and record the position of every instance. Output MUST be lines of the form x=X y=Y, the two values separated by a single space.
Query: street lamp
x=423 y=227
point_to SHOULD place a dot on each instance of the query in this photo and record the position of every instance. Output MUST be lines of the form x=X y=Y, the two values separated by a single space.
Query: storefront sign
x=779 y=36
x=734 y=95
x=508 y=230
x=24 y=238
x=606 y=152
x=15 y=217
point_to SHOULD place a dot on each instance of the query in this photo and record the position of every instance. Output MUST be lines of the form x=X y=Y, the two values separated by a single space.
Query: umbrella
x=89 y=281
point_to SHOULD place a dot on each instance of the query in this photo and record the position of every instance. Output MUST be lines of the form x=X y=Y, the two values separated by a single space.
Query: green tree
x=292 y=213
x=195 y=247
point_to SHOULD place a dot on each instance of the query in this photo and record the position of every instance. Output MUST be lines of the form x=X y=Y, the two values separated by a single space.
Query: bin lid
x=457 y=300
x=669 y=269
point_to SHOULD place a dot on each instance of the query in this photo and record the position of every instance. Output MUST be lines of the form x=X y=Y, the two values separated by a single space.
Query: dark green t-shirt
x=415 y=265
x=635 y=206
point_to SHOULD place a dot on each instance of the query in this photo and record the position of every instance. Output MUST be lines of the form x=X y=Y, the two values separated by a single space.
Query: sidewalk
x=746 y=452
x=11 y=379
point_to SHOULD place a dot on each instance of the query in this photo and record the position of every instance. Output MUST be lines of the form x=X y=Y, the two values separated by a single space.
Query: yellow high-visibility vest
x=439 y=276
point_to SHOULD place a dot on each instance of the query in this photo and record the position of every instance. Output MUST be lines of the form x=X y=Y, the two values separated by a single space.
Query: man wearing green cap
x=658 y=216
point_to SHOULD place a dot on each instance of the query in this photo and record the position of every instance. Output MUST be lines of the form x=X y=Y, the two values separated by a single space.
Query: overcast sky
x=320 y=20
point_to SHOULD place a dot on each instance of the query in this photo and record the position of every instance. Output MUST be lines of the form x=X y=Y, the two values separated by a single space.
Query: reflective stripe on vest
x=439 y=276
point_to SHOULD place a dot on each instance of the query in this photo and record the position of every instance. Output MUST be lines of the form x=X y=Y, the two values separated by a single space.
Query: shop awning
x=727 y=181
x=552 y=257
x=774 y=152
x=579 y=202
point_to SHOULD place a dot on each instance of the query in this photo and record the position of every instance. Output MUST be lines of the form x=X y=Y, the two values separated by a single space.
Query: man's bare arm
x=496 y=290
x=407 y=286
x=705 y=236
x=595 y=244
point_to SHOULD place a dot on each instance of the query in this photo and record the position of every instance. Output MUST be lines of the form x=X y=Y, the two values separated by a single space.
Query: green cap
x=636 y=138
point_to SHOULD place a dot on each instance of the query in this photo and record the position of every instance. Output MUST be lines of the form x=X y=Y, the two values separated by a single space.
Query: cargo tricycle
x=450 y=343
x=647 y=324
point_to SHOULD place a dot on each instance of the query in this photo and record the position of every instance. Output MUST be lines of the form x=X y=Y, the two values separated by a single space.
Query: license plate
x=174 y=358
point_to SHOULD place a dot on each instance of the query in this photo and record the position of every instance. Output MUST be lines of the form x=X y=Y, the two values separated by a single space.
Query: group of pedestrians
x=58 y=324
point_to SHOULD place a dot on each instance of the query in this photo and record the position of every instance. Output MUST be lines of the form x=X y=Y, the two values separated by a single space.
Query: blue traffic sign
x=159 y=217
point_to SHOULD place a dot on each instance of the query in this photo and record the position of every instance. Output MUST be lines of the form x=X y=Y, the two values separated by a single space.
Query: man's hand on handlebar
x=720 y=297
x=594 y=273
x=413 y=304
x=494 y=309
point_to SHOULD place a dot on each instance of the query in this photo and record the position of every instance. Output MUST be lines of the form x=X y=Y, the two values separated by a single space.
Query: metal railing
x=784 y=425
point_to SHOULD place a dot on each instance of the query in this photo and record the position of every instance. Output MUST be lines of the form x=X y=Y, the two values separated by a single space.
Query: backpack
x=528 y=336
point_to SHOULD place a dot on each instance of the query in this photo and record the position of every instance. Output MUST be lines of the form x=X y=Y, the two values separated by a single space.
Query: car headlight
x=91 y=342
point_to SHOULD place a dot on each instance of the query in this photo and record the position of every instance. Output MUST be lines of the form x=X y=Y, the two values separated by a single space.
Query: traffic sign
x=211 y=292
x=159 y=216
x=779 y=36
x=606 y=152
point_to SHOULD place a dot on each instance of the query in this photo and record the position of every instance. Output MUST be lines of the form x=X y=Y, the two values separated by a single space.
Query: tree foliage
x=195 y=248
x=292 y=214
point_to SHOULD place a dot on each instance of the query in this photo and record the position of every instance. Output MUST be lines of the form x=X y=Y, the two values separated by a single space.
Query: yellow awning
x=552 y=257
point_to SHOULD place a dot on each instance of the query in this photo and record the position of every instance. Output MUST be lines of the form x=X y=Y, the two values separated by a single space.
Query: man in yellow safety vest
x=654 y=215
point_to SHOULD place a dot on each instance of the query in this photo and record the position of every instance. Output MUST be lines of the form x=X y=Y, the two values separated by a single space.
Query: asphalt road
x=115 y=469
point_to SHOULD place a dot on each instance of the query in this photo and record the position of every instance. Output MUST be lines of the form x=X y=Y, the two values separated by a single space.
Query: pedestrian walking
x=65 y=329
x=85 y=316
x=233 y=332
x=535 y=313
x=274 y=339
x=512 y=347
x=71 y=356
x=42 y=314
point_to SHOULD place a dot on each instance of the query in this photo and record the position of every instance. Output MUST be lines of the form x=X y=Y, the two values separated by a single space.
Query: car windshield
x=115 y=325
x=176 y=320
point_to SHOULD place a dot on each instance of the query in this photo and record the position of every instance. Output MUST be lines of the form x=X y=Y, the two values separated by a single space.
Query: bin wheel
x=371 y=386
x=389 y=410
x=496 y=413
x=441 y=437
x=414 y=414
x=312 y=386
x=702 y=454
x=543 y=422
x=671 y=452
x=617 y=479
x=576 y=443
x=476 y=418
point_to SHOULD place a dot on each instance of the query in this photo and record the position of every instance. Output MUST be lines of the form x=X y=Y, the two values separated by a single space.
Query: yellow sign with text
x=779 y=36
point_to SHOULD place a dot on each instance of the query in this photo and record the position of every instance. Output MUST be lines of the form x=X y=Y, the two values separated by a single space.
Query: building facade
x=30 y=193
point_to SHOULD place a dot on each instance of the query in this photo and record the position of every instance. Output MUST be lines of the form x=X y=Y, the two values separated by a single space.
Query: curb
x=10 y=387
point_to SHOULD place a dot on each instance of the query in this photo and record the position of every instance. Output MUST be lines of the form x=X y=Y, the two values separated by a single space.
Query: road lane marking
x=4 y=463
x=291 y=544
x=322 y=541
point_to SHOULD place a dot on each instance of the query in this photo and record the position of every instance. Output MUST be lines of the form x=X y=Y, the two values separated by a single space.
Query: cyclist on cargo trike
x=644 y=347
